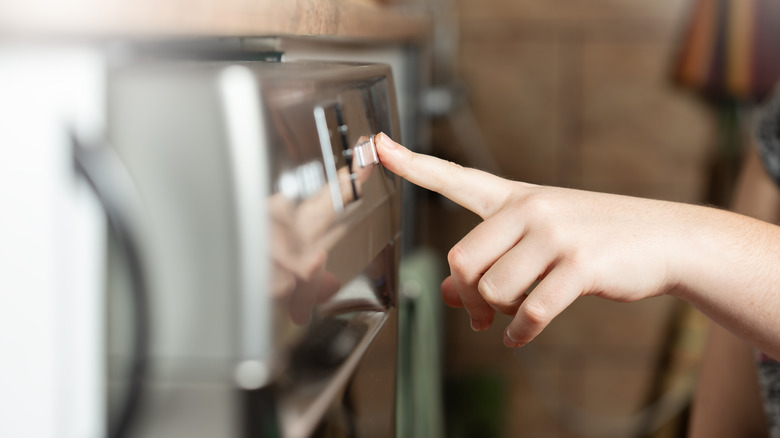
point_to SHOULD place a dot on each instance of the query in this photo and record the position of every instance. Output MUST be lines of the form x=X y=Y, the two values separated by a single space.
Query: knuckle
x=576 y=261
x=538 y=205
x=494 y=291
x=536 y=314
x=488 y=290
x=457 y=259
x=556 y=236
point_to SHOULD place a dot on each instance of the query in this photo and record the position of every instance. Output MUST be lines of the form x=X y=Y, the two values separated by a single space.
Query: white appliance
x=52 y=243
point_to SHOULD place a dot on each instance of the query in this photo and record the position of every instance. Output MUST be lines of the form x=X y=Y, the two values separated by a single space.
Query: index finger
x=478 y=191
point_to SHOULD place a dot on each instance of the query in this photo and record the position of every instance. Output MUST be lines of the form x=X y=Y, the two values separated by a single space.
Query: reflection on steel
x=303 y=182
x=251 y=374
x=273 y=278
x=302 y=413
x=335 y=342
x=327 y=155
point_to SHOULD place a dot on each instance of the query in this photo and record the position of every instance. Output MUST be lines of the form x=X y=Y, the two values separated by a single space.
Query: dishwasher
x=268 y=238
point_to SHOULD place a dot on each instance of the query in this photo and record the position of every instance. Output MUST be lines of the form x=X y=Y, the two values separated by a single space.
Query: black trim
x=101 y=170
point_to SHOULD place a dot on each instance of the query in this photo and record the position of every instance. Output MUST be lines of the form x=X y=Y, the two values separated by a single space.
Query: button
x=366 y=153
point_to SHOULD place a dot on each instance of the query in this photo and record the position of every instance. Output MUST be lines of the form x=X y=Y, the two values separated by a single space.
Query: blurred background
x=638 y=98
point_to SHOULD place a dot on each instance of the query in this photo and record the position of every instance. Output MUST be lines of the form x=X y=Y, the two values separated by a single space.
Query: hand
x=573 y=243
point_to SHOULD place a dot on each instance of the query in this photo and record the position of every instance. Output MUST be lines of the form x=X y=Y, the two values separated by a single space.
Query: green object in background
x=475 y=406
x=419 y=404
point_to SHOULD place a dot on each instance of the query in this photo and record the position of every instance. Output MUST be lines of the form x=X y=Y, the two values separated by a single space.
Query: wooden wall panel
x=513 y=93
x=639 y=134
x=576 y=93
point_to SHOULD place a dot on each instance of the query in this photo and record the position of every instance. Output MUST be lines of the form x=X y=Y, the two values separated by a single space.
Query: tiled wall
x=575 y=93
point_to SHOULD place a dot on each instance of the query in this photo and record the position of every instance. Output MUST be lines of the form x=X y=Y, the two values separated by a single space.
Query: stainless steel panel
x=273 y=253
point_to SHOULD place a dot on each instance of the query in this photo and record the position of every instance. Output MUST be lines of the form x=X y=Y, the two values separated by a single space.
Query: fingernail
x=509 y=342
x=386 y=141
x=477 y=325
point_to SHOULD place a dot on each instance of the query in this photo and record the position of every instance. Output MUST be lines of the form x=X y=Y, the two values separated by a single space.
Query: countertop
x=350 y=19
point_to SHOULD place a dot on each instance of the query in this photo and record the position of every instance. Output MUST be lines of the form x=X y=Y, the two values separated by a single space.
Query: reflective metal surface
x=273 y=245
x=335 y=257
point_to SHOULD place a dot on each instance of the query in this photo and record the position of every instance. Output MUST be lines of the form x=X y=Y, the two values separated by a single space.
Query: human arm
x=727 y=401
x=577 y=243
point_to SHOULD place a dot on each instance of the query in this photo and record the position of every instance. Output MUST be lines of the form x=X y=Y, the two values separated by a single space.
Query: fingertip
x=552 y=296
x=480 y=313
x=482 y=318
x=450 y=295
x=484 y=322
x=510 y=342
x=385 y=141
x=389 y=152
x=523 y=328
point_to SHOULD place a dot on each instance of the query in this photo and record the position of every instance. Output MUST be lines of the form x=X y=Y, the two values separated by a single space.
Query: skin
x=727 y=401
x=576 y=243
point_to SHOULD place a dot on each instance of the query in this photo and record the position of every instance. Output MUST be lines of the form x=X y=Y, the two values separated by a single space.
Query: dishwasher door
x=271 y=241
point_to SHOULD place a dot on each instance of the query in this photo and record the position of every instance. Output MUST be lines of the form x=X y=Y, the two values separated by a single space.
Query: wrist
x=691 y=250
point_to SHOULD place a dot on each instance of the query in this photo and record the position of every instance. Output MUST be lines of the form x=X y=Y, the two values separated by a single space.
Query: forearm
x=727 y=399
x=728 y=266
x=734 y=278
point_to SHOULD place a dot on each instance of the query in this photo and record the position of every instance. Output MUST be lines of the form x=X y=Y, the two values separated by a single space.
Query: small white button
x=366 y=153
